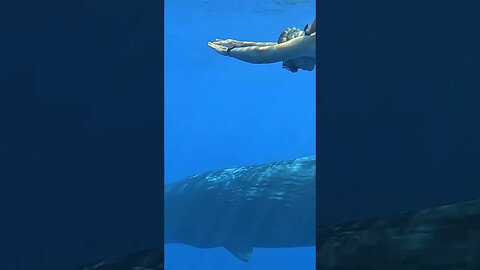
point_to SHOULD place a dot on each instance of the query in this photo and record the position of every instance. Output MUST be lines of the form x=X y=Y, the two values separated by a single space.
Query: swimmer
x=295 y=48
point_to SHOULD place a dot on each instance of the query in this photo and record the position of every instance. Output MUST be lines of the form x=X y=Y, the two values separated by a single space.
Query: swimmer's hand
x=221 y=49
x=222 y=46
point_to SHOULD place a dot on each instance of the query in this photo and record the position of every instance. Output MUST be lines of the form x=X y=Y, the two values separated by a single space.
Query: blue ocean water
x=220 y=112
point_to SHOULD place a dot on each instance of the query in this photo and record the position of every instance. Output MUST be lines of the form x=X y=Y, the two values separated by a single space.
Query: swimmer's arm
x=238 y=43
x=270 y=53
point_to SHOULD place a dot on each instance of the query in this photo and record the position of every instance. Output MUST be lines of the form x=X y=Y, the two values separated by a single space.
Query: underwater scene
x=239 y=141
x=395 y=175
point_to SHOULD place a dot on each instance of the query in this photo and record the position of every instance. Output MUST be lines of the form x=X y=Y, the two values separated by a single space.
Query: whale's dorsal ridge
x=244 y=207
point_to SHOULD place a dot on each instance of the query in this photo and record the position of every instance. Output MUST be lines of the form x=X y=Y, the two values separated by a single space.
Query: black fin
x=289 y=66
x=305 y=28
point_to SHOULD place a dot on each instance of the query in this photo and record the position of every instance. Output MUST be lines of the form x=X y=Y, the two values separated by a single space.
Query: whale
x=268 y=205
x=442 y=237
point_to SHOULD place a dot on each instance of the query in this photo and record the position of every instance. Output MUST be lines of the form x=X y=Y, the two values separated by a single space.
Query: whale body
x=444 y=237
x=270 y=205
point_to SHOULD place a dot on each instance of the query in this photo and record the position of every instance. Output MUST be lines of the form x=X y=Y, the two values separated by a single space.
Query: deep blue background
x=80 y=134
x=398 y=106
x=81 y=130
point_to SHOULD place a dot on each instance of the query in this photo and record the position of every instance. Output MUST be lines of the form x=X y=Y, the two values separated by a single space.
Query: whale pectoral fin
x=242 y=250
